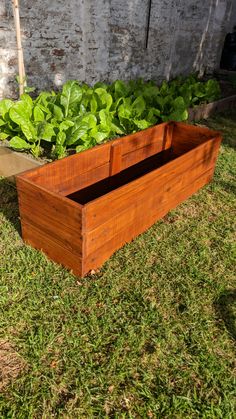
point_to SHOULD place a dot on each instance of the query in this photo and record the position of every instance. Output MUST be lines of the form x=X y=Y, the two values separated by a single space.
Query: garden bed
x=81 y=209
x=79 y=117
x=208 y=109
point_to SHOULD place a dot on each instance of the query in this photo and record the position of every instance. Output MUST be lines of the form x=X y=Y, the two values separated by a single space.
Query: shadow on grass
x=226 y=124
x=228 y=186
x=9 y=203
x=224 y=307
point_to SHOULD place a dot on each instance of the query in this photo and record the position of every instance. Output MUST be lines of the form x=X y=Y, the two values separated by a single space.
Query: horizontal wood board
x=51 y=223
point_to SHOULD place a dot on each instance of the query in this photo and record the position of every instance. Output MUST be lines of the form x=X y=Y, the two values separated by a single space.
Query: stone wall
x=95 y=40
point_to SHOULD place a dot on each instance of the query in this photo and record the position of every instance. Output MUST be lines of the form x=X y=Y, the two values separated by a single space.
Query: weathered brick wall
x=105 y=39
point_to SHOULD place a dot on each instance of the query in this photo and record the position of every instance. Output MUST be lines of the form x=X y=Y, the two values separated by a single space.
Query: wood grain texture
x=81 y=209
x=186 y=137
x=51 y=223
x=112 y=203
x=115 y=158
x=130 y=231
x=152 y=200
x=72 y=173
x=42 y=241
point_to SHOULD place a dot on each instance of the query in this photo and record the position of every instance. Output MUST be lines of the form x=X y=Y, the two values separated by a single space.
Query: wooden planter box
x=81 y=209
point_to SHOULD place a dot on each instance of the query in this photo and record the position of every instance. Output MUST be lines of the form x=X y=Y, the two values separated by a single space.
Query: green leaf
x=139 y=106
x=65 y=125
x=98 y=135
x=28 y=89
x=47 y=132
x=29 y=130
x=150 y=93
x=93 y=104
x=104 y=117
x=38 y=114
x=27 y=99
x=19 y=144
x=71 y=95
x=212 y=89
x=78 y=132
x=198 y=89
x=57 y=112
x=100 y=84
x=3 y=135
x=5 y=105
x=116 y=128
x=60 y=150
x=179 y=111
x=104 y=97
x=125 y=109
x=44 y=99
x=152 y=115
x=20 y=113
x=2 y=122
x=142 y=123
x=89 y=119
x=61 y=138
x=83 y=147
x=121 y=89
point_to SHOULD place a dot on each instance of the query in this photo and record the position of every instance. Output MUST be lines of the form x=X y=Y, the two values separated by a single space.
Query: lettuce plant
x=80 y=116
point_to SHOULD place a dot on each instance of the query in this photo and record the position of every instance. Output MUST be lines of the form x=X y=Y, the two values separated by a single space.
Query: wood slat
x=145 y=138
x=53 y=215
x=61 y=233
x=60 y=254
x=187 y=137
x=55 y=206
x=84 y=180
x=116 y=158
x=57 y=176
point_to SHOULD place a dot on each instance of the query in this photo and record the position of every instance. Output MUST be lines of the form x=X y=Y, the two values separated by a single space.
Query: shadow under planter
x=9 y=204
x=226 y=309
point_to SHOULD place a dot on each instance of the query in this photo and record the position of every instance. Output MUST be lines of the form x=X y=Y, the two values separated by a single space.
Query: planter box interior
x=81 y=209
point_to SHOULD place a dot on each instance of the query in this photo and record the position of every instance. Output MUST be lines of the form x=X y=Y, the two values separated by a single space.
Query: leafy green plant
x=80 y=116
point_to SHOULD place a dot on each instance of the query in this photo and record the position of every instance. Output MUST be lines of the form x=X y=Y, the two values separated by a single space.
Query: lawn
x=152 y=335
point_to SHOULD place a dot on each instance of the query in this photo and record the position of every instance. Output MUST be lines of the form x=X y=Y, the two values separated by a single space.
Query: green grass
x=152 y=335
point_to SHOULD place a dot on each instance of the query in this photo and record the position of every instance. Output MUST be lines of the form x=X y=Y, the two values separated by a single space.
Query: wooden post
x=22 y=81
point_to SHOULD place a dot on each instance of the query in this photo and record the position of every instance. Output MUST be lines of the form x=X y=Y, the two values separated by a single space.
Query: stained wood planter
x=81 y=209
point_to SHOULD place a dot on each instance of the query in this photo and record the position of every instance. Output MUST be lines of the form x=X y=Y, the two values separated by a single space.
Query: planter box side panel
x=81 y=170
x=51 y=223
x=202 y=158
x=95 y=259
x=125 y=217
x=186 y=137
